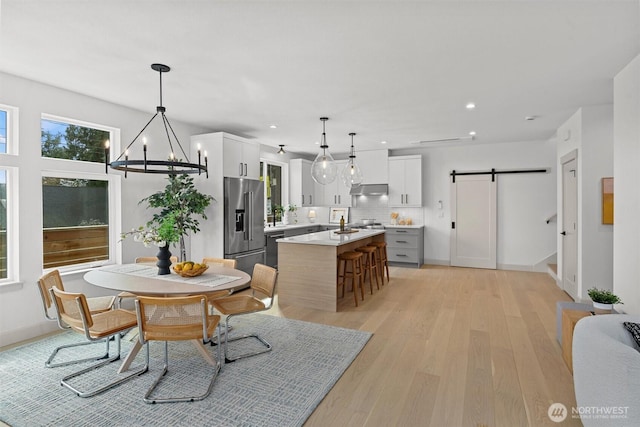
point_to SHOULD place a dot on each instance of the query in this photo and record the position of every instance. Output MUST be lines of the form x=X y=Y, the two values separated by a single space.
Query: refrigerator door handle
x=245 y=201
x=250 y=220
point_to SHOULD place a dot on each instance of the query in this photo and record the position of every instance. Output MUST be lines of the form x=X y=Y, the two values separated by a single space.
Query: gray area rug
x=278 y=388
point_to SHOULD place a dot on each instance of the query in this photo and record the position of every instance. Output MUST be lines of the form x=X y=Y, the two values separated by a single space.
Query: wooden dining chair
x=263 y=284
x=96 y=305
x=177 y=319
x=73 y=311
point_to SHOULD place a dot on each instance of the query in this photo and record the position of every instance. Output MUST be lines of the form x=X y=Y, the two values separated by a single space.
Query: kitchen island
x=307 y=266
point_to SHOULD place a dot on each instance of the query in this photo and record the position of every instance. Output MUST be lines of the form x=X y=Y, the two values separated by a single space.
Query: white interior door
x=570 y=227
x=473 y=221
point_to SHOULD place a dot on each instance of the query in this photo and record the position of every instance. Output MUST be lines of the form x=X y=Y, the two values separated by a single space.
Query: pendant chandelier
x=172 y=166
x=281 y=150
x=351 y=174
x=323 y=169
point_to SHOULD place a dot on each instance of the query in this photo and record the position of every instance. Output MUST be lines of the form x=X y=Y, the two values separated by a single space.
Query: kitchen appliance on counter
x=368 y=224
x=243 y=222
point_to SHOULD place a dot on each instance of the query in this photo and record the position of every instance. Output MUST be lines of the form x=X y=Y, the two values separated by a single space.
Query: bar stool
x=382 y=259
x=354 y=261
x=370 y=264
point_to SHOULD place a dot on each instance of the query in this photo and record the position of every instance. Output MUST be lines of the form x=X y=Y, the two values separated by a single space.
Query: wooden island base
x=307 y=268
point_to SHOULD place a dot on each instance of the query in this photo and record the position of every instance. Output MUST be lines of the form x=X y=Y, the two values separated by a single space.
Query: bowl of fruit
x=190 y=268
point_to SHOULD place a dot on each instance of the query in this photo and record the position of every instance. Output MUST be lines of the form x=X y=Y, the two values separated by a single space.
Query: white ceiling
x=398 y=71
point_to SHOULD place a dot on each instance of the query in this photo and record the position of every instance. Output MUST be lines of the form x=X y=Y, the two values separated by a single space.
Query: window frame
x=114 y=136
x=13 y=219
x=81 y=169
x=285 y=181
x=12 y=129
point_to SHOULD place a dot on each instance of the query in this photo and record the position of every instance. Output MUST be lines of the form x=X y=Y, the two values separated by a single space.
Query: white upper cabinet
x=302 y=190
x=336 y=194
x=241 y=158
x=305 y=191
x=405 y=181
x=373 y=164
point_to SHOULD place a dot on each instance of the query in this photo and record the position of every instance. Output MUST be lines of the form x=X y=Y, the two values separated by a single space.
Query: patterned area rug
x=278 y=388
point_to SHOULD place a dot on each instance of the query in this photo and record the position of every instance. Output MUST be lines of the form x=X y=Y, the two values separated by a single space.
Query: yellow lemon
x=178 y=267
x=187 y=267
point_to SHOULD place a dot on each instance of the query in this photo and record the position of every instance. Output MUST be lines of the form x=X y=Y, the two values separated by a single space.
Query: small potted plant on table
x=603 y=299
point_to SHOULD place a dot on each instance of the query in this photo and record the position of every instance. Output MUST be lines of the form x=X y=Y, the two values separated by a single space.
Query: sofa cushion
x=634 y=328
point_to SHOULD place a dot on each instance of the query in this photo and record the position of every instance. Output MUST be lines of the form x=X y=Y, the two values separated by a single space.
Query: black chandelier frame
x=167 y=167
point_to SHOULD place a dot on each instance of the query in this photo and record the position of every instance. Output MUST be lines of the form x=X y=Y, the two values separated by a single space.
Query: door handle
x=564 y=233
x=240 y=164
x=303 y=200
x=339 y=199
x=406 y=199
x=245 y=169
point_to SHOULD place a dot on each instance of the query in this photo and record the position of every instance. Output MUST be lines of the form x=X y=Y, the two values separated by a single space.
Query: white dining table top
x=142 y=279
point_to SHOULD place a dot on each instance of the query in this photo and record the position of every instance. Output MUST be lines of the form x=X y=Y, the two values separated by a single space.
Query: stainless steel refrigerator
x=243 y=222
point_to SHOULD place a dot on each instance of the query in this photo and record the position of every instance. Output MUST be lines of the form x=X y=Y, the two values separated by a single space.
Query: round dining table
x=142 y=279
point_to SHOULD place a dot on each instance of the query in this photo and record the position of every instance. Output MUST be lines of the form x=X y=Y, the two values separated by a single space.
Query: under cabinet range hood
x=370 y=190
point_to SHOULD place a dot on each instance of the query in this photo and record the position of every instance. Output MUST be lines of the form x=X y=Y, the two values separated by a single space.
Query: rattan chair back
x=229 y=263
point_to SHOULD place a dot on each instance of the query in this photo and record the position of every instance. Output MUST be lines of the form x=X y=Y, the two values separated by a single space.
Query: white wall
x=626 y=247
x=21 y=314
x=590 y=132
x=525 y=201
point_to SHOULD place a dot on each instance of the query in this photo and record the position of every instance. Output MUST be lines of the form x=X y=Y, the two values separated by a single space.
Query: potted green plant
x=179 y=204
x=290 y=214
x=603 y=298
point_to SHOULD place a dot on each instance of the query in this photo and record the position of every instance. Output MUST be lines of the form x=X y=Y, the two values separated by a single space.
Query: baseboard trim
x=437 y=262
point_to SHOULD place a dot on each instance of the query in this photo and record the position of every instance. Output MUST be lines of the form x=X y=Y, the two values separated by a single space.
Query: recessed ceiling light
x=383 y=142
x=529 y=118
x=317 y=142
x=273 y=127
x=470 y=106
x=472 y=133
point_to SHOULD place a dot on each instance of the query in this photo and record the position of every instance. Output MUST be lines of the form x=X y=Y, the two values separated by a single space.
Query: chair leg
x=49 y=363
x=227 y=359
x=64 y=382
x=165 y=368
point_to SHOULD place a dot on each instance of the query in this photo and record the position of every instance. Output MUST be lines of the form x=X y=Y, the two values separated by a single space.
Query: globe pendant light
x=351 y=174
x=323 y=169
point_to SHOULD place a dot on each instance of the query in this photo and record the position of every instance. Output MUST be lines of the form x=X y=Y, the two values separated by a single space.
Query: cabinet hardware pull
x=240 y=164
x=401 y=231
x=401 y=241
x=406 y=199
x=401 y=255
x=303 y=199
x=245 y=169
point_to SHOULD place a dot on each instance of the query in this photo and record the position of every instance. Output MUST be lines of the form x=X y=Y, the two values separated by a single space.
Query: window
x=75 y=216
x=3 y=131
x=8 y=129
x=273 y=176
x=80 y=221
x=70 y=141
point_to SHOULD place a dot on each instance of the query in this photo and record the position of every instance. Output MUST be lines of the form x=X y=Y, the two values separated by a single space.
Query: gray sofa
x=606 y=371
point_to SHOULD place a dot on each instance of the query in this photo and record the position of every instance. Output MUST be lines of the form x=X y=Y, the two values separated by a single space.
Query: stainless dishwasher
x=272 y=248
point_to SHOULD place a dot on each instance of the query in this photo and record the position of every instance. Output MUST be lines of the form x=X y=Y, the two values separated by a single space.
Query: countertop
x=277 y=228
x=330 y=237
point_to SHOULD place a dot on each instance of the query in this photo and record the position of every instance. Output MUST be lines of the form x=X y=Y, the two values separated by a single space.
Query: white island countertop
x=330 y=237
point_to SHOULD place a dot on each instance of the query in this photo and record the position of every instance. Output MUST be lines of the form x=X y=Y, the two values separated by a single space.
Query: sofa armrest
x=606 y=368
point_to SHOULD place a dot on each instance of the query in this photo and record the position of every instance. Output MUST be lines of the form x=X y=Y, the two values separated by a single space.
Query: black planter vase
x=164 y=260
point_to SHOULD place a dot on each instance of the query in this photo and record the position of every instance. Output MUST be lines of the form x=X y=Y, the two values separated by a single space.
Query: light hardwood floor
x=450 y=347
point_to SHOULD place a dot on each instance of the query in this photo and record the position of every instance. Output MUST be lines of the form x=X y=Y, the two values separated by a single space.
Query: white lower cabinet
x=405 y=246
